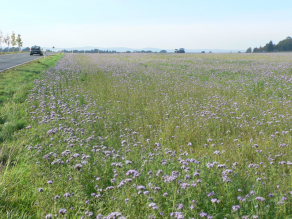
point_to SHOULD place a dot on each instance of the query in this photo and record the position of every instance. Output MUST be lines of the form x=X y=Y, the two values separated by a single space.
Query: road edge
x=20 y=64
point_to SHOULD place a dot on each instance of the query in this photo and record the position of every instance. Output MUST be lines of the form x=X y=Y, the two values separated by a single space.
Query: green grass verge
x=14 y=87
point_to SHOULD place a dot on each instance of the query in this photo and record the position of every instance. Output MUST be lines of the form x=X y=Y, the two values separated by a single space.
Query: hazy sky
x=164 y=24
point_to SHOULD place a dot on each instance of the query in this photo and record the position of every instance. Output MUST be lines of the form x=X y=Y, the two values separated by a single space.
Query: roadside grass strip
x=149 y=136
x=15 y=85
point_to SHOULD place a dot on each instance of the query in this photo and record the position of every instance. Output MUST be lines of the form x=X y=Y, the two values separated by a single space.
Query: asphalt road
x=11 y=60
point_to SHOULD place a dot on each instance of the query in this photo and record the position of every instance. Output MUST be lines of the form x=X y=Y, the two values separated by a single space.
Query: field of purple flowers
x=156 y=136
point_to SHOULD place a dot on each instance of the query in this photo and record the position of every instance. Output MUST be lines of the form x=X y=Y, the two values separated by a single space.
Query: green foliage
x=248 y=50
x=19 y=42
x=270 y=46
x=13 y=40
x=14 y=86
x=283 y=46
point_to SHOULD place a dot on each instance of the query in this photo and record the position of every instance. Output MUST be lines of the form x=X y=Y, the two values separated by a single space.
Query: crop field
x=154 y=136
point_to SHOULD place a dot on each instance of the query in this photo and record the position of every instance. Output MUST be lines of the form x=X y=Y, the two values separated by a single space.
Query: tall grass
x=15 y=85
x=155 y=136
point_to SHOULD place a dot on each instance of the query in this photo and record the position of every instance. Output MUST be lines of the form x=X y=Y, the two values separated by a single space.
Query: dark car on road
x=36 y=50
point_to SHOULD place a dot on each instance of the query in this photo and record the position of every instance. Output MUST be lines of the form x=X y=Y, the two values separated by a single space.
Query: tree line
x=283 y=46
x=109 y=51
x=10 y=40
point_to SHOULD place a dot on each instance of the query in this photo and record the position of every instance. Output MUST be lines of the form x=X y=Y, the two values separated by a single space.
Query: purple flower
x=128 y=162
x=62 y=211
x=196 y=174
x=99 y=216
x=184 y=185
x=283 y=198
x=50 y=182
x=109 y=188
x=203 y=214
x=67 y=195
x=41 y=189
x=180 y=206
x=213 y=200
x=114 y=215
x=260 y=199
x=177 y=215
x=78 y=166
x=211 y=194
x=140 y=187
x=153 y=206
x=235 y=207
x=48 y=216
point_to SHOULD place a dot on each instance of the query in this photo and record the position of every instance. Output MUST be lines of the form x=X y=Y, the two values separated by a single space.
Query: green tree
x=1 y=39
x=270 y=46
x=285 y=45
x=13 y=40
x=248 y=50
x=19 y=42
x=7 y=40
